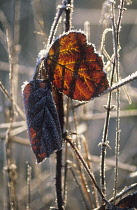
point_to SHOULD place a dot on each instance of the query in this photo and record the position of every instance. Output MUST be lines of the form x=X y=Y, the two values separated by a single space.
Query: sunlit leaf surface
x=75 y=68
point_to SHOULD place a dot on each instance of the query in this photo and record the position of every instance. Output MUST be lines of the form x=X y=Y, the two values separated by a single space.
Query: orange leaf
x=75 y=68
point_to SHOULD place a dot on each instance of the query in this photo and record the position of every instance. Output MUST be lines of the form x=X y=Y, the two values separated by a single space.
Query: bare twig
x=59 y=103
x=105 y=134
x=81 y=192
x=116 y=61
x=69 y=140
x=97 y=116
x=15 y=124
x=116 y=33
x=119 y=195
x=90 y=166
x=38 y=23
x=124 y=191
x=22 y=69
x=21 y=113
x=67 y=7
x=111 y=163
x=124 y=81
x=29 y=169
x=60 y=8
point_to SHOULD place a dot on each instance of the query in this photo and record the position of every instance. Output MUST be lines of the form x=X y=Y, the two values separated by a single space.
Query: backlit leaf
x=75 y=68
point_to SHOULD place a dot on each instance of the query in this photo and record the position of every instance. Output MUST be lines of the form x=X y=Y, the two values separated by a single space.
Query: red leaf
x=75 y=68
x=42 y=119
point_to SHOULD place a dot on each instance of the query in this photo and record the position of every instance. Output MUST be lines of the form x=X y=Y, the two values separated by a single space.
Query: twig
x=113 y=87
x=108 y=108
x=66 y=152
x=97 y=116
x=116 y=61
x=11 y=182
x=69 y=140
x=116 y=33
x=124 y=191
x=22 y=69
x=3 y=40
x=59 y=103
x=103 y=23
x=87 y=157
x=105 y=134
x=119 y=195
x=20 y=140
x=68 y=24
x=81 y=192
x=38 y=23
x=29 y=169
x=15 y=124
x=21 y=113
x=124 y=81
x=111 y=163
x=60 y=8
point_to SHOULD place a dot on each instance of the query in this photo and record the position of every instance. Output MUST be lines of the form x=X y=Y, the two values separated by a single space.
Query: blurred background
x=28 y=23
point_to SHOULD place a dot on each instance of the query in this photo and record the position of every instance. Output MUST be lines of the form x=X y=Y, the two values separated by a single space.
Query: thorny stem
x=68 y=11
x=60 y=104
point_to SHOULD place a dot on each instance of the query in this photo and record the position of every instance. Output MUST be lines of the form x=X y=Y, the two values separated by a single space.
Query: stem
x=10 y=181
x=68 y=11
x=59 y=99
x=105 y=134
x=116 y=32
x=29 y=170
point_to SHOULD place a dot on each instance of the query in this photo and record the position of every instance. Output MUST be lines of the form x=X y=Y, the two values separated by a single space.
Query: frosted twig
x=60 y=8
x=124 y=81
x=69 y=140
x=14 y=104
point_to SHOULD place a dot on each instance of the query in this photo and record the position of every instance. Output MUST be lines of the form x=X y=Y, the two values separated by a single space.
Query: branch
x=124 y=81
x=21 y=113
x=69 y=140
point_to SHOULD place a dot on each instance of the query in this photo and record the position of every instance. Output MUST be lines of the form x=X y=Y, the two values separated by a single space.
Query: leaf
x=42 y=119
x=75 y=68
